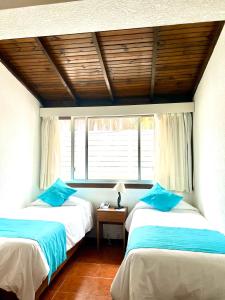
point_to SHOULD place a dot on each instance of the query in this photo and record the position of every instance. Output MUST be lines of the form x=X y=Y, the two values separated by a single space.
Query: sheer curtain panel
x=50 y=151
x=173 y=164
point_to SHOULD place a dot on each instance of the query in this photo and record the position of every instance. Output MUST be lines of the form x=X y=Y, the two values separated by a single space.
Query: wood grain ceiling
x=134 y=66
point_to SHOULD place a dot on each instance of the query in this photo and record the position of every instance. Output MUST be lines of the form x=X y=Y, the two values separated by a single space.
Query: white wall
x=209 y=138
x=19 y=143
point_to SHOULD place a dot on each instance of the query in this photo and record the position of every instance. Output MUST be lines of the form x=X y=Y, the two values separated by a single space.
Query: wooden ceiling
x=134 y=66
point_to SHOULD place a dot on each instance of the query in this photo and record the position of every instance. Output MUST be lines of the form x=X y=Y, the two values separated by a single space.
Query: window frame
x=102 y=182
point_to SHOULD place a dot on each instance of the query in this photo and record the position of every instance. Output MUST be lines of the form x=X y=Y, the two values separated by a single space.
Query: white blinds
x=113 y=148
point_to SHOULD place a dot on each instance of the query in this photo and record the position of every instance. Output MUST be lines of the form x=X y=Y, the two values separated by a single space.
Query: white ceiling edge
x=101 y=15
x=123 y=110
x=24 y=3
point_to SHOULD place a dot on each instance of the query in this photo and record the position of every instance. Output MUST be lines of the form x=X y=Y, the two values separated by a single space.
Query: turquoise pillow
x=161 y=199
x=57 y=193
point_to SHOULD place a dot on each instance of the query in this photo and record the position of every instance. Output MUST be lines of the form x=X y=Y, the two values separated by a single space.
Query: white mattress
x=23 y=266
x=142 y=215
x=159 y=274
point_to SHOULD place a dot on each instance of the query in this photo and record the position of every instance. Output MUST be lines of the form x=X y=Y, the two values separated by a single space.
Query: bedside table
x=111 y=216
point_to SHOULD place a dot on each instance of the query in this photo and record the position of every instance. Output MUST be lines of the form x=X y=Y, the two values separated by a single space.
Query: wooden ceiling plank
x=90 y=57
x=72 y=41
x=102 y=63
x=68 y=36
x=127 y=42
x=125 y=31
x=179 y=30
x=189 y=26
x=183 y=43
x=214 y=40
x=184 y=35
x=20 y=78
x=125 y=37
x=154 y=56
x=57 y=70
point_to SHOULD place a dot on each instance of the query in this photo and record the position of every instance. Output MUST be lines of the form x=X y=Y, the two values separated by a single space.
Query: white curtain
x=173 y=163
x=50 y=151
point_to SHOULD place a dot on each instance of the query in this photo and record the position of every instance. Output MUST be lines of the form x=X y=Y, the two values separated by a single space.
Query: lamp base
x=119 y=207
x=118 y=201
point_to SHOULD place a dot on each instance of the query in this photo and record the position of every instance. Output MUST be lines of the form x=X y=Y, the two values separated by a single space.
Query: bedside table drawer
x=111 y=216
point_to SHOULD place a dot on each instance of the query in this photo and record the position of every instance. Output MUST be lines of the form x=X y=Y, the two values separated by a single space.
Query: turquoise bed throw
x=176 y=238
x=51 y=236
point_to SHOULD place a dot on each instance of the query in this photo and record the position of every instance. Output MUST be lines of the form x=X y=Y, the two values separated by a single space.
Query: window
x=112 y=148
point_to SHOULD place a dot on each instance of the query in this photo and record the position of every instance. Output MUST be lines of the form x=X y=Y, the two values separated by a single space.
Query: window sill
x=108 y=185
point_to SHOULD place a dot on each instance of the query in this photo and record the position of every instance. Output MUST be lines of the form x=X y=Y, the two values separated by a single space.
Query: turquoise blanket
x=51 y=236
x=174 y=238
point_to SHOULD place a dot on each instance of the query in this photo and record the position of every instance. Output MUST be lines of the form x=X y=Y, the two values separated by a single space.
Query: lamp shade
x=120 y=187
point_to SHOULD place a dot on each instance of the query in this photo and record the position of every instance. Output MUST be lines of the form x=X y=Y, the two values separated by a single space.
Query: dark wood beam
x=213 y=42
x=154 y=56
x=102 y=63
x=172 y=98
x=57 y=70
x=20 y=78
x=166 y=98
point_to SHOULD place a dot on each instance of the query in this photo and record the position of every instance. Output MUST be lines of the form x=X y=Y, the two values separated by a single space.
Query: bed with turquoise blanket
x=177 y=238
x=34 y=241
x=51 y=237
x=171 y=255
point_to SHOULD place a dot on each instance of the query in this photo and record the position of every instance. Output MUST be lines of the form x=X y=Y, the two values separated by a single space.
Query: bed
x=159 y=274
x=23 y=265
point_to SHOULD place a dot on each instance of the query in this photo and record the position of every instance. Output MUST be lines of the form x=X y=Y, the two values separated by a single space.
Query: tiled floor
x=88 y=275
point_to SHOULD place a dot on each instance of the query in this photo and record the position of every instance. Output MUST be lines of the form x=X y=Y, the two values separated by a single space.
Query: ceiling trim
x=101 y=15
x=134 y=110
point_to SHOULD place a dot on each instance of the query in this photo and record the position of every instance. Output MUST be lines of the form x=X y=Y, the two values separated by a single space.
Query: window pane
x=65 y=143
x=113 y=148
x=147 y=144
x=79 y=149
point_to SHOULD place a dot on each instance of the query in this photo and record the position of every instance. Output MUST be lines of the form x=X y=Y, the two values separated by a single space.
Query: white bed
x=23 y=266
x=160 y=274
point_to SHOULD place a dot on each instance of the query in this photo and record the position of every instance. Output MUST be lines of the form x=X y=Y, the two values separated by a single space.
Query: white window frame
x=86 y=180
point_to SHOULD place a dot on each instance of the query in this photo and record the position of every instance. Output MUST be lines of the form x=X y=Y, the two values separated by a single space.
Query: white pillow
x=184 y=205
x=181 y=205
x=71 y=201
x=39 y=202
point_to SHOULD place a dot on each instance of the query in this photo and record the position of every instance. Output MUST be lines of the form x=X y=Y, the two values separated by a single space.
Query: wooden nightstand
x=111 y=216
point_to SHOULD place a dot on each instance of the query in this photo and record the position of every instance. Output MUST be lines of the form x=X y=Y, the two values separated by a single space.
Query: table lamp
x=120 y=188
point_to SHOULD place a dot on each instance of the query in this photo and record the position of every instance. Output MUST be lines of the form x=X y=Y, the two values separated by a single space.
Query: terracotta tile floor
x=88 y=275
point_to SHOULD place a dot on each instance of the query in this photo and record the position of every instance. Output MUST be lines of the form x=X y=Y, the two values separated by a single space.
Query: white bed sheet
x=23 y=266
x=159 y=274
